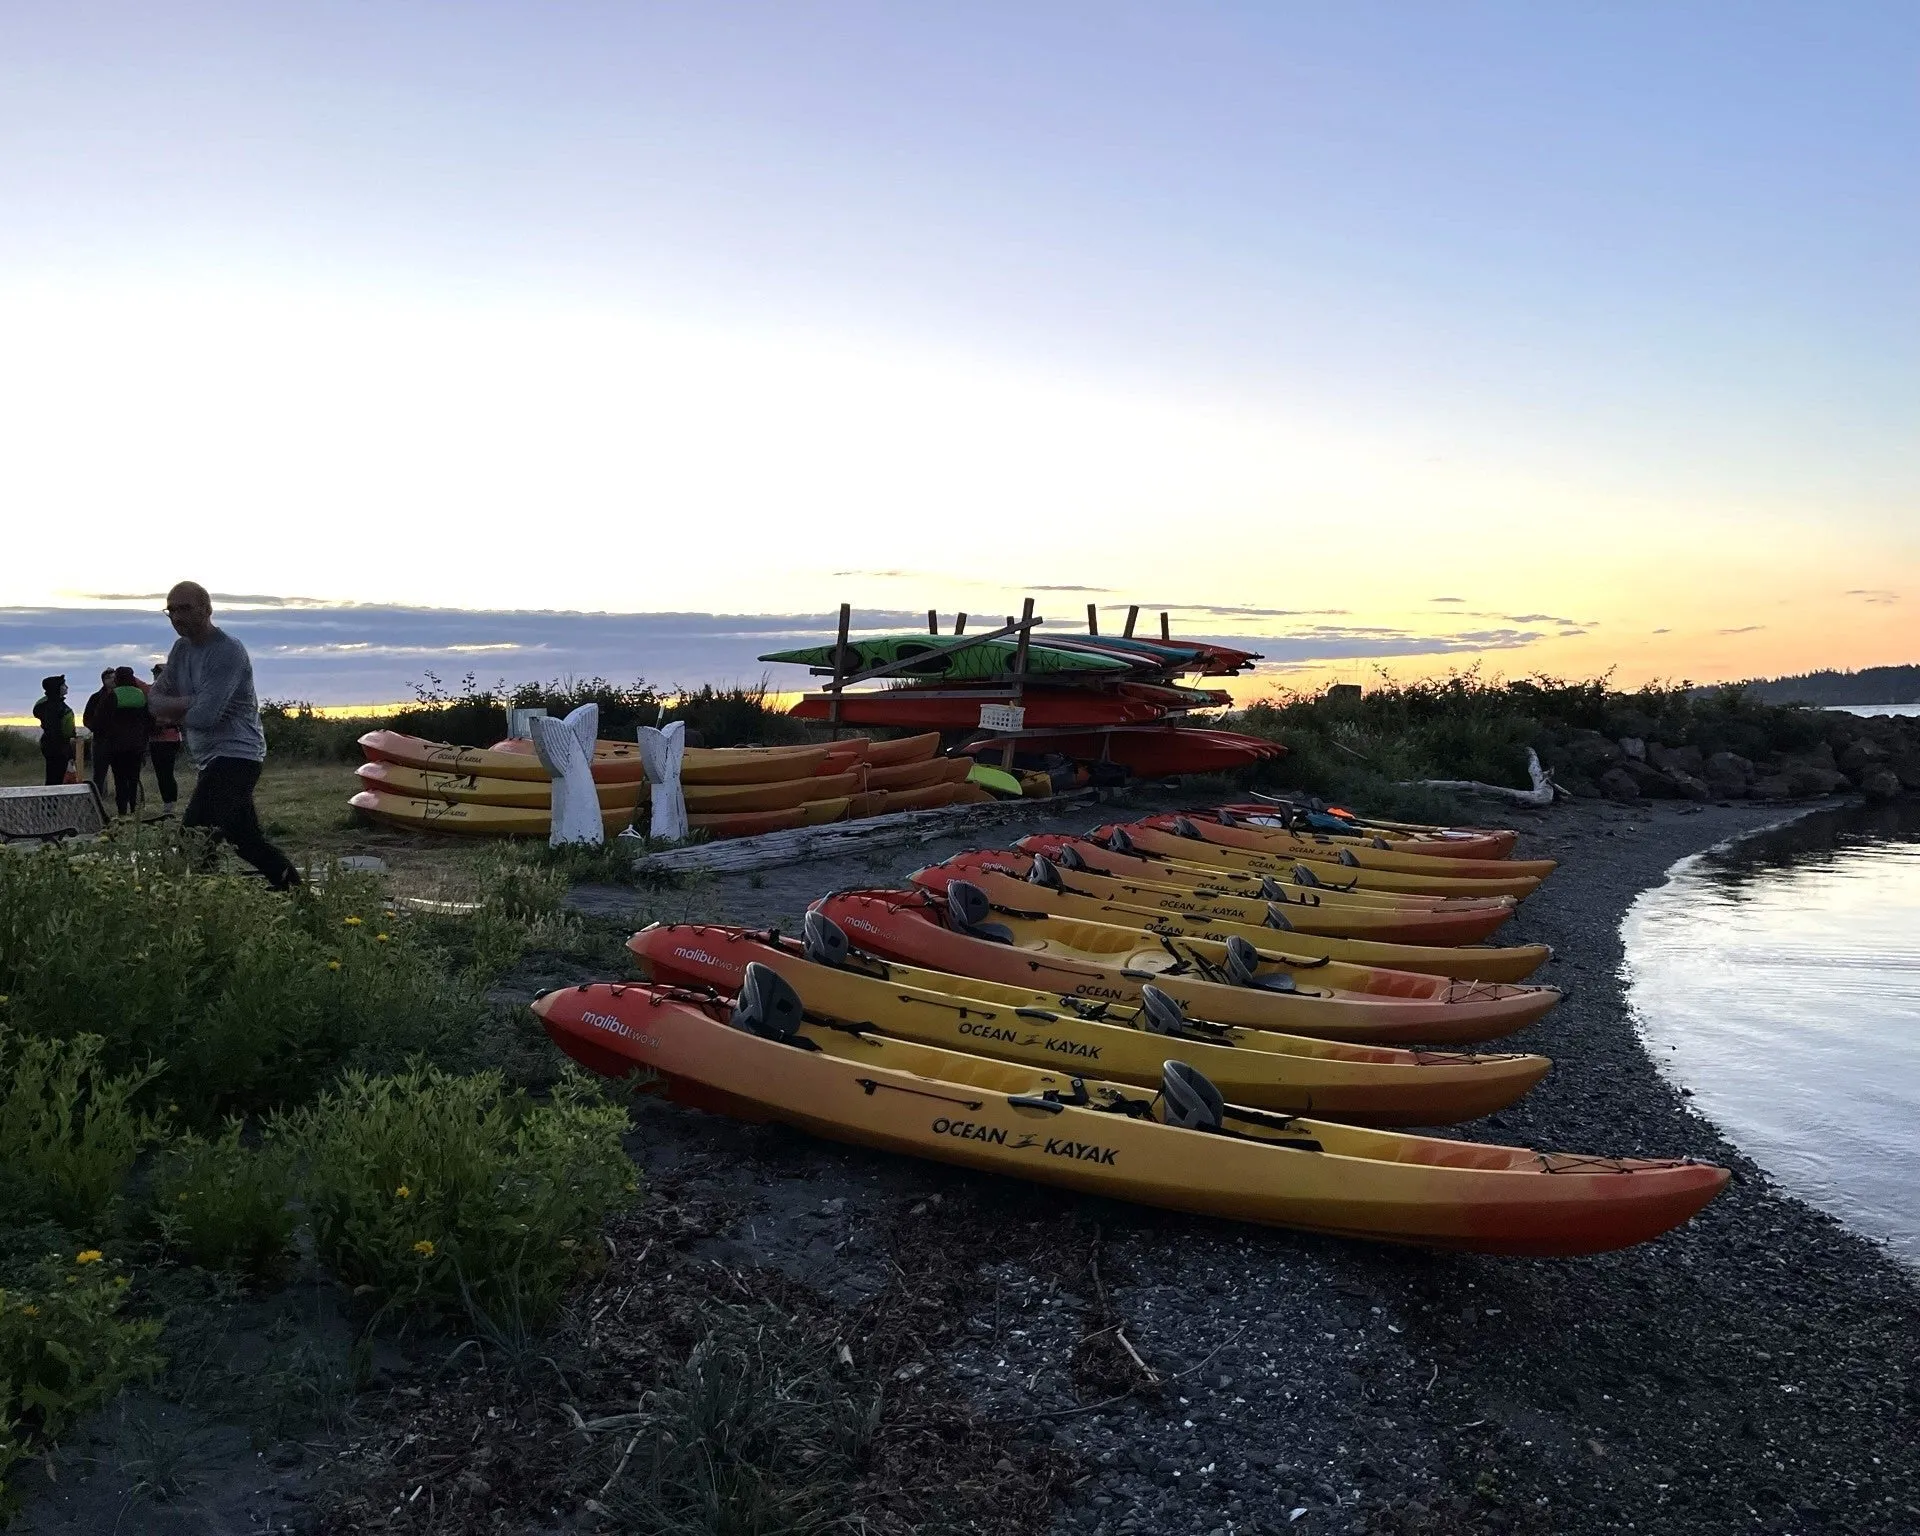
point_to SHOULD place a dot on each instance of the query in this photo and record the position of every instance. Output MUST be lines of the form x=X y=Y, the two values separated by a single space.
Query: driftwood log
x=738 y=854
x=1542 y=792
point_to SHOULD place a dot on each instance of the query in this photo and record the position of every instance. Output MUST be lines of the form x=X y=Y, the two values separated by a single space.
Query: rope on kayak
x=1574 y=1162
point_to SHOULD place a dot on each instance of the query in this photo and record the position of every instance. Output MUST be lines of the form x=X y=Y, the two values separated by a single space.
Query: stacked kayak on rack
x=1087 y=699
x=1233 y=1028
x=505 y=790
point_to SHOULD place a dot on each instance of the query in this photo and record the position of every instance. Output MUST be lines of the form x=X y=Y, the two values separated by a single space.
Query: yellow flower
x=403 y=1193
x=88 y=1256
x=121 y=1282
x=181 y=1197
x=31 y=1310
x=3 y=997
x=333 y=965
x=351 y=922
x=424 y=1247
x=380 y=938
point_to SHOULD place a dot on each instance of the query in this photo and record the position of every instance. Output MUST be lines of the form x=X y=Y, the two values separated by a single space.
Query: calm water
x=1780 y=980
x=1877 y=709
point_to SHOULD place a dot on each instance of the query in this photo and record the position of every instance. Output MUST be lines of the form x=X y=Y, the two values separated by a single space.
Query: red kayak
x=958 y=709
x=1146 y=751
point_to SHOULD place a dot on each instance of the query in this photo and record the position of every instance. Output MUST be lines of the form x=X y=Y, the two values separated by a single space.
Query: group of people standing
x=203 y=693
x=125 y=736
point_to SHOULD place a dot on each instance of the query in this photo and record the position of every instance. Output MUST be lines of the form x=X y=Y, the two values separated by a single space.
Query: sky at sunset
x=617 y=338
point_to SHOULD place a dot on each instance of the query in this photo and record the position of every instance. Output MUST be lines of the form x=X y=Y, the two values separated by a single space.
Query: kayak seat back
x=1187 y=1099
x=767 y=1005
x=971 y=913
x=825 y=940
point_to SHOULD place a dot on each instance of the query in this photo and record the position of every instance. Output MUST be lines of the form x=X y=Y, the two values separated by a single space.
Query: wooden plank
x=1093 y=618
x=799 y=844
x=1133 y=613
x=1165 y=633
x=933 y=622
x=960 y=624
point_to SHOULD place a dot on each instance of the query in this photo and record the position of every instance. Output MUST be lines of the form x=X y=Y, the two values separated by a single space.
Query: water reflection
x=1779 y=979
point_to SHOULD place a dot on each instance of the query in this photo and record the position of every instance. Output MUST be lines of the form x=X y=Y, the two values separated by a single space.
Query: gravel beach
x=1046 y=1363
x=1754 y=1371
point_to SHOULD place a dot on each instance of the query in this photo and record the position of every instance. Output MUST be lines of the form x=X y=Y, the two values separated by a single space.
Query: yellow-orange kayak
x=1369 y=1085
x=465 y=818
x=1287 y=908
x=1182 y=1148
x=726 y=765
x=1200 y=851
x=1462 y=962
x=1357 y=854
x=1292 y=994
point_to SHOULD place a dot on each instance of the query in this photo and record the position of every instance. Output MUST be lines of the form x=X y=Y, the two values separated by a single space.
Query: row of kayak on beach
x=505 y=790
x=1226 y=1011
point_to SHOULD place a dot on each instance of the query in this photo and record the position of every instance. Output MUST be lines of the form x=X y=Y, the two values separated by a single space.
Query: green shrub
x=444 y=1193
x=65 y=1349
x=69 y=1133
x=734 y=717
x=293 y=729
x=253 y=999
x=224 y=1205
x=1465 y=726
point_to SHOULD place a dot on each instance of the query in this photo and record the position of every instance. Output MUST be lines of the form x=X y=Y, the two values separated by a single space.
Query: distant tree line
x=1870 y=685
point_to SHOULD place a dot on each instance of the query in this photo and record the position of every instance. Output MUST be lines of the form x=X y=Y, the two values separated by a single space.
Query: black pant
x=126 y=779
x=163 y=754
x=97 y=765
x=223 y=801
x=58 y=757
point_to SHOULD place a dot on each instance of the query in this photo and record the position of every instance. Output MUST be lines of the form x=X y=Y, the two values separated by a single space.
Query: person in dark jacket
x=56 y=728
x=94 y=718
x=163 y=746
x=125 y=725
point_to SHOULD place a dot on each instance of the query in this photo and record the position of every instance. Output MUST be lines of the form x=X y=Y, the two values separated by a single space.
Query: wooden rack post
x=1165 y=633
x=933 y=622
x=1133 y=612
x=842 y=677
x=839 y=671
x=1019 y=672
x=1093 y=619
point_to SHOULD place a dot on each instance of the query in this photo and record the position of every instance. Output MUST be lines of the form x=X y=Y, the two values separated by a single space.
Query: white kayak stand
x=661 y=750
x=566 y=748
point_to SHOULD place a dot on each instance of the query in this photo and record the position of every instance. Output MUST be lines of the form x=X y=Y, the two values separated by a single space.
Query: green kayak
x=988 y=660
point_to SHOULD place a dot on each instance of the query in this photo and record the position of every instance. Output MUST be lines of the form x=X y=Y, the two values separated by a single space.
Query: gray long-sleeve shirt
x=224 y=718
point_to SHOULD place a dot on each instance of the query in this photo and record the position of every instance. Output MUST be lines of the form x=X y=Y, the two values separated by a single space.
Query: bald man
x=209 y=692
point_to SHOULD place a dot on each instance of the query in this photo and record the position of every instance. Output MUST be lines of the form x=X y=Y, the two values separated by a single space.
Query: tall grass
x=251 y=998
